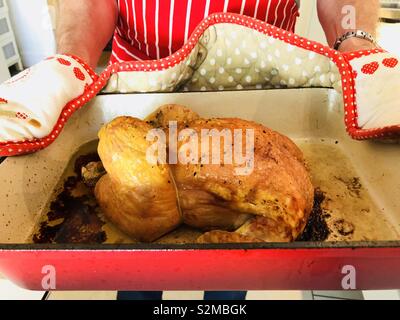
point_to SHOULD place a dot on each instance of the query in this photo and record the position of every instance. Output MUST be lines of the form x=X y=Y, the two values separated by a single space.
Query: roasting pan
x=361 y=182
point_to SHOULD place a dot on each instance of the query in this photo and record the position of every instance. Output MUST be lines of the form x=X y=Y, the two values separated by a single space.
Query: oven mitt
x=372 y=98
x=231 y=57
x=226 y=51
x=233 y=52
x=36 y=103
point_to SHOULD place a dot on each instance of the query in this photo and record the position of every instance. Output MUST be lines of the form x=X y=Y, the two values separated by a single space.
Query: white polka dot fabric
x=241 y=58
x=234 y=57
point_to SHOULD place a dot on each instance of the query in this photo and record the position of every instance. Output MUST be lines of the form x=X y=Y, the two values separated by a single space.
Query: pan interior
x=347 y=207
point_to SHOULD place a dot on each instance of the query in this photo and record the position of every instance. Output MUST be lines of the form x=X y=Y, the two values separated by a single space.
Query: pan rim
x=353 y=245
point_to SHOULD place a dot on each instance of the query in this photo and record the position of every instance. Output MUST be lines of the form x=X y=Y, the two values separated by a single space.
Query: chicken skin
x=257 y=191
x=139 y=197
x=171 y=112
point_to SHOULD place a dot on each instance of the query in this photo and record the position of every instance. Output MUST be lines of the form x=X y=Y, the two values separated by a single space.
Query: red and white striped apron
x=154 y=29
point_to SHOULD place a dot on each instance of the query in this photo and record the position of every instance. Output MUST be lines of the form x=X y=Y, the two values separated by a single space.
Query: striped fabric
x=154 y=29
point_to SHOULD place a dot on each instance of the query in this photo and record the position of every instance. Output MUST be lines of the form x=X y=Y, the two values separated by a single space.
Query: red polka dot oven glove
x=372 y=97
x=36 y=103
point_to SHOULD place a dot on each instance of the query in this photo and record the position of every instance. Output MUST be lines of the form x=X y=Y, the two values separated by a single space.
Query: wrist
x=79 y=51
x=356 y=44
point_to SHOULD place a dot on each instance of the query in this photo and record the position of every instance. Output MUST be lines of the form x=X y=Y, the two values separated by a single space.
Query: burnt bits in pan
x=353 y=185
x=73 y=216
x=316 y=228
x=344 y=228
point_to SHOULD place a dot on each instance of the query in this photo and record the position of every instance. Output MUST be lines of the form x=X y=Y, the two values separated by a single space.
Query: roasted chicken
x=266 y=197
